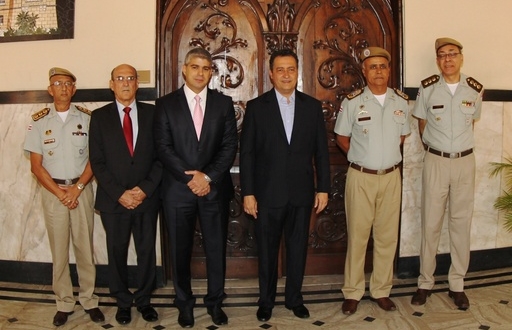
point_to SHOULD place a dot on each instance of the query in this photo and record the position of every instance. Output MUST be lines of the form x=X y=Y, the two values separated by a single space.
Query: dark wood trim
x=409 y=267
x=41 y=273
x=82 y=95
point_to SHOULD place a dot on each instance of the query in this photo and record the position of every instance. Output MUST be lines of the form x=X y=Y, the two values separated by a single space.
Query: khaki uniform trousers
x=62 y=225
x=371 y=201
x=454 y=180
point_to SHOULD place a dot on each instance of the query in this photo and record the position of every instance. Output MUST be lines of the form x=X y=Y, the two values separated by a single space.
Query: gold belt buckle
x=381 y=172
x=68 y=182
x=454 y=155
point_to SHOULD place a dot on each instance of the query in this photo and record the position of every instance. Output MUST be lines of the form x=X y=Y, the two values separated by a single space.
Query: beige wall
x=485 y=37
x=111 y=32
x=107 y=33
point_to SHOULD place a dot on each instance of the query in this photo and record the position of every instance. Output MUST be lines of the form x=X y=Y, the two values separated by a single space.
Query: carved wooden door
x=328 y=36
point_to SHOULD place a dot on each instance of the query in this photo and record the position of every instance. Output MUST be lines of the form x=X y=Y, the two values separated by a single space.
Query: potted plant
x=504 y=202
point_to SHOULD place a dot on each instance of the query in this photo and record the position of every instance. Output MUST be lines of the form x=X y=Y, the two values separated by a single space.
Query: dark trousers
x=181 y=225
x=119 y=227
x=270 y=225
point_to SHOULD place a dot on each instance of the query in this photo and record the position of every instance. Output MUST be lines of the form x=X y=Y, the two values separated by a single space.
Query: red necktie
x=198 y=116
x=128 y=129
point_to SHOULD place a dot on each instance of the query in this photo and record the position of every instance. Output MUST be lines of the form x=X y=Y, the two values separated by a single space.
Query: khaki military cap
x=60 y=71
x=447 y=41
x=373 y=52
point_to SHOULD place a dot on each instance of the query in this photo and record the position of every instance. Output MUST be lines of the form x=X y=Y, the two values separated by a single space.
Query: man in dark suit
x=196 y=138
x=283 y=132
x=125 y=164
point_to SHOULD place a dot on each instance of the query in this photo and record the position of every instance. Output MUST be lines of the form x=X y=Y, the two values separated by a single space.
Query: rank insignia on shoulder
x=474 y=84
x=84 y=110
x=401 y=94
x=354 y=94
x=40 y=114
x=430 y=80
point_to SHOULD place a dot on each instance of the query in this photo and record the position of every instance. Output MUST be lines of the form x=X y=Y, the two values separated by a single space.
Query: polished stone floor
x=30 y=307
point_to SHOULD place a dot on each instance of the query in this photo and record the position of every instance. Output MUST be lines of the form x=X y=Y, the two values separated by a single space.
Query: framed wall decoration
x=30 y=20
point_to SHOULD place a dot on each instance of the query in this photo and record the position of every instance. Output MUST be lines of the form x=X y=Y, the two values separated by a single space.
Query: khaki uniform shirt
x=375 y=131
x=449 y=117
x=64 y=145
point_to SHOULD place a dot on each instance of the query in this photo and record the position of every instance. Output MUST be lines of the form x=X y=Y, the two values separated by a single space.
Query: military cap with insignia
x=440 y=42
x=60 y=71
x=373 y=52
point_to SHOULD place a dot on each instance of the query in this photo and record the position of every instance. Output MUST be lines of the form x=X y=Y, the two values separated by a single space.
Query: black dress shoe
x=264 y=314
x=218 y=315
x=186 y=318
x=61 y=318
x=95 y=314
x=123 y=315
x=300 y=311
x=148 y=313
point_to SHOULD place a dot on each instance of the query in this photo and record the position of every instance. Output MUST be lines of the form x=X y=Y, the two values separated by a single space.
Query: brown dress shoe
x=420 y=297
x=349 y=306
x=460 y=299
x=95 y=314
x=386 y=304
x=61 y=318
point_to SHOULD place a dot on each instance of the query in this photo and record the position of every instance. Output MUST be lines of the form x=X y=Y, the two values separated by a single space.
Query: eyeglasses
x=61 y=84
x=378 y=66
x=127 y=78
x=444 y=56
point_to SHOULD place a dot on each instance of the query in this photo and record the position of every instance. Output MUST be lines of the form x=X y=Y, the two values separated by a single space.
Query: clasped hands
x=132 y=198
x=198 y=184
x=70 y=197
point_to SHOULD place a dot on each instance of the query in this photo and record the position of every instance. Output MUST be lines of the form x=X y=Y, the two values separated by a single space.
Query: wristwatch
x=207 y=178
x=80 y=186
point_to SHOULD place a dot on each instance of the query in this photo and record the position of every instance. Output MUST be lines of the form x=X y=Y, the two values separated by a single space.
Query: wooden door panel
x=328 y=36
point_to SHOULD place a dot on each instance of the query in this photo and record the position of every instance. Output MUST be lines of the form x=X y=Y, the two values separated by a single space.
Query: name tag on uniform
x=79 y=133
x=364 y=118
x=49 y=141
x=438 y=106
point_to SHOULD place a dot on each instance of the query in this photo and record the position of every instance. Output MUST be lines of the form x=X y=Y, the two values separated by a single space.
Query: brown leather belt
x=450 y=154
x=67 y=182
x=378 y=172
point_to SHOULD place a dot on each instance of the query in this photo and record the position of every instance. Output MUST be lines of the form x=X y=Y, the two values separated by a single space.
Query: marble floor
x=30 y=307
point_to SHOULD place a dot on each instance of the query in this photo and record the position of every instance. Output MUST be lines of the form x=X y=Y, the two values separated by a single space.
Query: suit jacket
x=278 y=172
x=114 y=168
x=179 y=149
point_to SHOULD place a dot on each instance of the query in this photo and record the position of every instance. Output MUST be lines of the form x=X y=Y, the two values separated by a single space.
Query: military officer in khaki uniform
x=371 y=126
x=446 y=107
x=57 y=142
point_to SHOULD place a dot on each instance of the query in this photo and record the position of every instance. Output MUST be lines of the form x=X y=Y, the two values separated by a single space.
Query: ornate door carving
x=328 y=36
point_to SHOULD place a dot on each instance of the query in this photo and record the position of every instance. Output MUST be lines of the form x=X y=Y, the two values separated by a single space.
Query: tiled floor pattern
x=30 y=307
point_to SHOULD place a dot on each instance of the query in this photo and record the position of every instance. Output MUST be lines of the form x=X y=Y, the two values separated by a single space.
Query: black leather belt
x=378 y=172
x=67 y=182
x=450 y=154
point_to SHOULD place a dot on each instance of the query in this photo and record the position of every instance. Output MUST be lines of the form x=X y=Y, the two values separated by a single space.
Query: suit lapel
x=183 y=111
x=275 y=114
x=117 y=127
x=298 y=119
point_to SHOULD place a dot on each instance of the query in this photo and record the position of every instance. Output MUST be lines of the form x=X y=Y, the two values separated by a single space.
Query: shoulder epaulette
x=401 y=94
x=474 y=84
x=430 y=80
x=354 y=94
x=40 y=114
x=84 y=110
